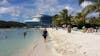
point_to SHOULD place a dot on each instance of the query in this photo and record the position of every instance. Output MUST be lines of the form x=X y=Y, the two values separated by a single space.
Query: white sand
x=76 y=43
x=61 y=43
x=42 y=49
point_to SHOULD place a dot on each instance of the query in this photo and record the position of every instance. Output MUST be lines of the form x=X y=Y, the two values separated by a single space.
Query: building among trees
x=40 y=20
x=46 y=21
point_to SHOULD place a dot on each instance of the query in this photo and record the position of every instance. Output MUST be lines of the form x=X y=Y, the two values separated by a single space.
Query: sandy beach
x=61 y=43
x=49 y=27
x=42 y=49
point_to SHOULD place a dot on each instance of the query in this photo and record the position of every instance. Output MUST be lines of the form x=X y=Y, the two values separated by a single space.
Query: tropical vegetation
x=61 y=18
x=80 y=19
x=9 y=24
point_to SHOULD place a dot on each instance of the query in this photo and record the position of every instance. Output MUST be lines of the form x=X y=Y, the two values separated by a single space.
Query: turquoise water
x=11 y=41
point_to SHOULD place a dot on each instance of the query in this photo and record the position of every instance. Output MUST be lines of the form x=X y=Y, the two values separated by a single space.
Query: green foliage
x=91 y=8
x=79 y=19
x=61 y=18
x=9 y=24
x=95 y=7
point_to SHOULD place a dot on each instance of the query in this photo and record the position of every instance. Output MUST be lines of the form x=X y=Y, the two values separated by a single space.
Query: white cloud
x=94 y=14
x=69 y=8
x=3 y=10
x=4 y=2
x=86 y=3
x=36 y=19
x=33 y=20
x=16 y=12
x=13 y=11
x=51 y=7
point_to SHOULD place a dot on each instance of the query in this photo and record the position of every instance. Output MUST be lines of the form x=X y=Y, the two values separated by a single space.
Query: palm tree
x=95 y=7
x=61 y=18
x=64 y=16
x=55 y=21
x=91 y=8
x=78 y=19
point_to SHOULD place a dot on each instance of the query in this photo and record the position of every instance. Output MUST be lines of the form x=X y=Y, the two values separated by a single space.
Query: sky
x=21 y=10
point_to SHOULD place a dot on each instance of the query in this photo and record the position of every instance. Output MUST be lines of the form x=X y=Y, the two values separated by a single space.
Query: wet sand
x=42 y=49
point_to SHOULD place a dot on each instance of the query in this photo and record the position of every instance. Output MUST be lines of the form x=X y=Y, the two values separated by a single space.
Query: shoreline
x=42 y=49
x=61 y=43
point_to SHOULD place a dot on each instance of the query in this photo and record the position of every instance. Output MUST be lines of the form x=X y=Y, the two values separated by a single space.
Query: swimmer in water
x=5 y=37
x=25 y=34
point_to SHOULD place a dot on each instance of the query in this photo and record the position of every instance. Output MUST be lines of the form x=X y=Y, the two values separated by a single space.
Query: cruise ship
x=40 y=20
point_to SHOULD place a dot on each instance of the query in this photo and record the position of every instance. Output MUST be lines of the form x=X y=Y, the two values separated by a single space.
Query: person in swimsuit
x=45 y=34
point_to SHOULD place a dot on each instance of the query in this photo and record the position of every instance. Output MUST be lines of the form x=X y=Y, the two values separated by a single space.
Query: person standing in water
x=45 y=34
x=25 y=34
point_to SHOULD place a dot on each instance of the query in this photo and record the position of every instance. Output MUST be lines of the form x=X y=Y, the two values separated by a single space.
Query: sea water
x=14 y=40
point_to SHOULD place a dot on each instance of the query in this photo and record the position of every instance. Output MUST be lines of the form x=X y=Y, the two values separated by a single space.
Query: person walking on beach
x=69 y=29
x=45 y=34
